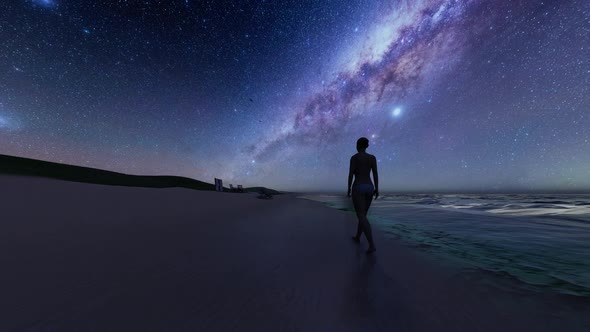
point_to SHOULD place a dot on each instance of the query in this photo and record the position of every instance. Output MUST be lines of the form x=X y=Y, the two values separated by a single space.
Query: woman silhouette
x=361 y=165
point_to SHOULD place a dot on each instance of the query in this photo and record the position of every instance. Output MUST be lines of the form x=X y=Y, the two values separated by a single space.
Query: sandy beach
x=86 y=257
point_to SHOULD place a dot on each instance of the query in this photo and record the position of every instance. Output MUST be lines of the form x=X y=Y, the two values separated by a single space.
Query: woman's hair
x=362 y=143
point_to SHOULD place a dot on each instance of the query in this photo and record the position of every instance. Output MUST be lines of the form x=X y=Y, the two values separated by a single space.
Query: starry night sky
x=453 y=95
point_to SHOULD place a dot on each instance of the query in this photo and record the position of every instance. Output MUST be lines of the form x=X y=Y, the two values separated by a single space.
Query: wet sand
x=85 y=257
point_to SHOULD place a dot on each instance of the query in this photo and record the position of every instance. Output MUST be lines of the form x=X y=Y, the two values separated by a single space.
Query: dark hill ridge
x=32 y=167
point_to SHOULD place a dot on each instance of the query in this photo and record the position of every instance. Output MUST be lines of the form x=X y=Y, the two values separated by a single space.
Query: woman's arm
x=350 y=173
x=375 y=174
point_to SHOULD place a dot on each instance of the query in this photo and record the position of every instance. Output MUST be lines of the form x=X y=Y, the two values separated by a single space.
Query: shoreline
x=442 y=259
x=91 y=257
x=460 y=244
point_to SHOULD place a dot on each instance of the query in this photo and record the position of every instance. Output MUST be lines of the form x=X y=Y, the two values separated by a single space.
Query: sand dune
x=85 y=257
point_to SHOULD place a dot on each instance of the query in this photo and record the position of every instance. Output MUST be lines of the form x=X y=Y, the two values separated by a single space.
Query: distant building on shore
x=218 y=185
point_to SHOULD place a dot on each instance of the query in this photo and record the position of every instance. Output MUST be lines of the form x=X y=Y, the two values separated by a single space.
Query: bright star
x=396 y=112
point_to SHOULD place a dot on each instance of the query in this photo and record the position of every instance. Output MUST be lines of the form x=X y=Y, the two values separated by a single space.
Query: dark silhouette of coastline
x=32 y=167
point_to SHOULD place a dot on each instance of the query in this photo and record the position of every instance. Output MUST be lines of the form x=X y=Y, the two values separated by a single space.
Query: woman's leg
x=359 y=208
x=368 y=198
x=359 y=231
x=368 y=205
x=361 y=202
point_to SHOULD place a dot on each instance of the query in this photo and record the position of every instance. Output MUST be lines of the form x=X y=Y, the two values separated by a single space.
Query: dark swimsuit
x=364 y=188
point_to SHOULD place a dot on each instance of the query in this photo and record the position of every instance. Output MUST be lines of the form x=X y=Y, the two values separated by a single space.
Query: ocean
x=541 y=240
